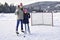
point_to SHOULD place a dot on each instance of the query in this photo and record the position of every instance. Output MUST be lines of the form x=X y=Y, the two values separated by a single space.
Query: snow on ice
x=8 y=26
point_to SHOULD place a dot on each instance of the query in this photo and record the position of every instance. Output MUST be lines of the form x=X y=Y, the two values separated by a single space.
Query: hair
x=18 y=5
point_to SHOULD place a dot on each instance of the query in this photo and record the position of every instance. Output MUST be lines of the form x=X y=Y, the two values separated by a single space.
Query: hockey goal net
x=42 y=19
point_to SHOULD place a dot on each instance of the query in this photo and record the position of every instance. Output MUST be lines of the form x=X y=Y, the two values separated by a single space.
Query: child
x=26 y=20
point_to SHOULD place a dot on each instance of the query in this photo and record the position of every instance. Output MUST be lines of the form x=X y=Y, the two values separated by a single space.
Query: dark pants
x=20 y=20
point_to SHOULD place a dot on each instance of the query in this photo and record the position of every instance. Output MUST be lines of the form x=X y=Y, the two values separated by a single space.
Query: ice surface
x=8 y=26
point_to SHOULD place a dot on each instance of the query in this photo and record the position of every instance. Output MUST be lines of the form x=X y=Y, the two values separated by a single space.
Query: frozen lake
x=8 y=26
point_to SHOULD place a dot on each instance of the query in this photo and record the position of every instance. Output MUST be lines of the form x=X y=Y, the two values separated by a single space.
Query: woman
x=19 y=14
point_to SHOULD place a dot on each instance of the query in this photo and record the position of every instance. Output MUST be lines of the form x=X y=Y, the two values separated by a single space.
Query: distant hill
x=48 y=6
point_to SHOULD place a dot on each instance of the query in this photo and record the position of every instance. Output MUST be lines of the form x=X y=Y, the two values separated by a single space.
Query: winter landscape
x=38 y=32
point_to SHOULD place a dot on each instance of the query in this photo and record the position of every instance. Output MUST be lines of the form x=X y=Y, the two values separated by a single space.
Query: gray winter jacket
x=19 y=14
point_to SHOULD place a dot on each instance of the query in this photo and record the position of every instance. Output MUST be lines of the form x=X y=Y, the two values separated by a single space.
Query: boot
x=17 y=32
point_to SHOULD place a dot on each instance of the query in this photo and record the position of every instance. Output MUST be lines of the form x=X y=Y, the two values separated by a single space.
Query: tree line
x=5 y=8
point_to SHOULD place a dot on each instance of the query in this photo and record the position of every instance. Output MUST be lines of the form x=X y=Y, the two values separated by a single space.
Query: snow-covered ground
x=8 y=26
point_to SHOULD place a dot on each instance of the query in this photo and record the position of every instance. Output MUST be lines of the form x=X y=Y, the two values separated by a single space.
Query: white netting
x=42 y=18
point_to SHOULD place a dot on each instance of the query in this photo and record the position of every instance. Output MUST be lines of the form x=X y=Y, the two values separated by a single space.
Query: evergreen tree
x=6 y=8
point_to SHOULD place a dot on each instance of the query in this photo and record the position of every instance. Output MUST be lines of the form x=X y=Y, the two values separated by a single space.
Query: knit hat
x=21 y=4
x=25 y=10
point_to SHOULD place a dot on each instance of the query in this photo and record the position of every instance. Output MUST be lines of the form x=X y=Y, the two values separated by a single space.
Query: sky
x=25 y=2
